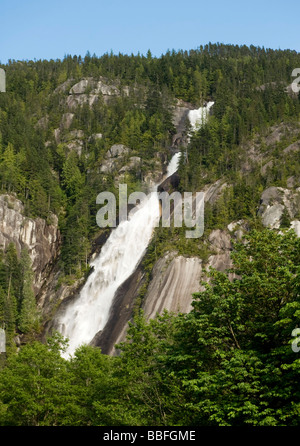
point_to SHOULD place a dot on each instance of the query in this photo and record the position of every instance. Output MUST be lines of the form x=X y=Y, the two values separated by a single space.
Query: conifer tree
x=28 y=319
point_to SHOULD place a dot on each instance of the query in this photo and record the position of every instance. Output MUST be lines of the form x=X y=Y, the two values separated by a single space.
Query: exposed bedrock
x=277 y=200
x=120 y=313
x=42 y=240
x=174 y=280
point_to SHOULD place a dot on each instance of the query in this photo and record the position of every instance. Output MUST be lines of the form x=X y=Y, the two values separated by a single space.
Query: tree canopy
x=229 y=362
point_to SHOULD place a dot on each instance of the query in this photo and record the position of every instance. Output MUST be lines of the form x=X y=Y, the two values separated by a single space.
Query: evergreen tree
x=28 y=318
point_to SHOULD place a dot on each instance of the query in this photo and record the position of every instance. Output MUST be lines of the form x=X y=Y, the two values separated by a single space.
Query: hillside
x=73 y=128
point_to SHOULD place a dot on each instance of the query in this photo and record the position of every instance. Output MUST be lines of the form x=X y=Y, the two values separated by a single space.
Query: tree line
x=247 y=85
x=229 y=362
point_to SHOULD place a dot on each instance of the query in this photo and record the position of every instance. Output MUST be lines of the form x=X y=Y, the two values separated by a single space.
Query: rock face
x=89 y=90
x=220 y=245
x=120 y=313
x=169 y=183
x=95 y=87
x=295 y=225
x=175 y=279
x=276 y=200
x=41 y=239
x=117 y=150
x=115 y=158
x=66 y=121
x=180 y=116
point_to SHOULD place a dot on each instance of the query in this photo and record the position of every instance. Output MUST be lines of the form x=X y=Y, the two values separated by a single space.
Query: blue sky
x=39 y=29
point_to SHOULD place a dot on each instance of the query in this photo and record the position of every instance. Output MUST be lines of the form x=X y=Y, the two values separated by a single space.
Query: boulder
x=274 y=201
x=117 y=150
x=80 y=87
x=66 y=120
x=220 y=239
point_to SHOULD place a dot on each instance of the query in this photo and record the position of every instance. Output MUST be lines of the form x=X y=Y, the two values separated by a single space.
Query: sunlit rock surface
x=41 y=239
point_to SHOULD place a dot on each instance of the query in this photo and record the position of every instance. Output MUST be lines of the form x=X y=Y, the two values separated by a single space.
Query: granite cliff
x=40 y=238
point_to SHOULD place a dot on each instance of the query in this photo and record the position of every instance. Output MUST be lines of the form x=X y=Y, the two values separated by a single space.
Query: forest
x=228 y=362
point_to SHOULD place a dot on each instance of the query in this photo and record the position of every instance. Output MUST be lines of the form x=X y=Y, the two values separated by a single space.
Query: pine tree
x=10 y=312
x=28 y=319
x=285 y=219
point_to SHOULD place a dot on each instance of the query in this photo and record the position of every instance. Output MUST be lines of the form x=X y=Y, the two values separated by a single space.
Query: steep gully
x=83 y=320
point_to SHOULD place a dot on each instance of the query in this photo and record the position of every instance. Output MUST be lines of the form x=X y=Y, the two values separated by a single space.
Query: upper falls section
x=198 y=117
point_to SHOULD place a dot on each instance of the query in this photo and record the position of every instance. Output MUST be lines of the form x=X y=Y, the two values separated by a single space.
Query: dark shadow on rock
x=171 y=183
x=121 y=313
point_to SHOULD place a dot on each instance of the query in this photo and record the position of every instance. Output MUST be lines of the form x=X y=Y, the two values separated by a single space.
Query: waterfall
x=88 y=313
x=199 y=116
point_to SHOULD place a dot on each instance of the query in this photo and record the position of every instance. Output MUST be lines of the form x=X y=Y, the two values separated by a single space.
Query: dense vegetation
x=17 y=300
x=228 y=362
x=248 y=87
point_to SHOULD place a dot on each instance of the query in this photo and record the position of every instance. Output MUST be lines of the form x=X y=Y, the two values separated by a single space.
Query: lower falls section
x=99 y=314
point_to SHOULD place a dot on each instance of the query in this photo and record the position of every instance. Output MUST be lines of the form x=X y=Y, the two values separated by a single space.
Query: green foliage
x=229 y=361
x=34 y=386
x=28 y=317
x=155 y=396
x=18 y=310
x=233 y=351
x=247 y=85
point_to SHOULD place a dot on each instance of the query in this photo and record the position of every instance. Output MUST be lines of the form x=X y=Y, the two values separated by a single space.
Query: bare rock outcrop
x=175 y=279
x=41 y=239
x=276 y=200
x=117 y=150
x=96 y=87
x=66 y=120
x=114 y=158
x=90 y=90
x=180 y=117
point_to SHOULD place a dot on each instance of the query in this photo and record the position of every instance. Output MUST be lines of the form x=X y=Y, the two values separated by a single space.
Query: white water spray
x=88 y=313
x=198 y=117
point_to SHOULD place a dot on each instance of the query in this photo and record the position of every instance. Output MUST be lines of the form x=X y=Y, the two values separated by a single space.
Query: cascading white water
x=127 y=243
x=173 y=164
x=88 y=313
x=199 y=117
